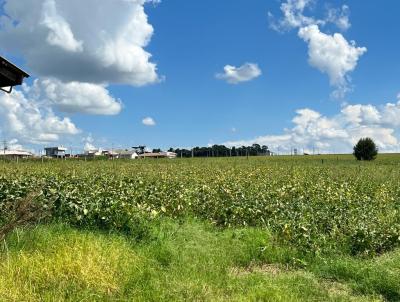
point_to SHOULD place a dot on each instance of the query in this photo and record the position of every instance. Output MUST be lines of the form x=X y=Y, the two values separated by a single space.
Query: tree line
x=222 y=151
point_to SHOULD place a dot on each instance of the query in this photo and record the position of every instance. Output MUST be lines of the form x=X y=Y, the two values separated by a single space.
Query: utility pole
x=5 y=147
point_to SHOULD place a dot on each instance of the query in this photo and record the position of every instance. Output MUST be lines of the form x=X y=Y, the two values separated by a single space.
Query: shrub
x=365 y=149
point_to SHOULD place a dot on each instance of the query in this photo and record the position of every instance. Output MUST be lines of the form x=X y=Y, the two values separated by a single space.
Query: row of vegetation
x=365 y=149
x=318 y=208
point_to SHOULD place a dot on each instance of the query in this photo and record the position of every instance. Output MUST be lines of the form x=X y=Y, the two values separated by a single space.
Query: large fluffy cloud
x=76 y=48
x=331 y=54
x=60 y=33
x=235 y=75
x=29 y=122
x=311 y=130
x=75 y=40
x=76 y=97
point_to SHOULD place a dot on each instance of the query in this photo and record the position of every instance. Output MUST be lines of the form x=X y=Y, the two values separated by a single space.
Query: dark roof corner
x=10 y=75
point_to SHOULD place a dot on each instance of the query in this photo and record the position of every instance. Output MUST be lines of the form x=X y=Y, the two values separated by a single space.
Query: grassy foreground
x=177 y=261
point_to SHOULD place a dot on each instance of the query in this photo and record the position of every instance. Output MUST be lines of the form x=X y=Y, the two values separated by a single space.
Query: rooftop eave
x=10 y=75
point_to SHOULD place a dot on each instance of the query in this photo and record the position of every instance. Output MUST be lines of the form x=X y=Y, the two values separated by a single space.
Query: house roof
x=157 y=154
x=15 y=153
x=58 y=148
x=10 y=75
x=124 y=151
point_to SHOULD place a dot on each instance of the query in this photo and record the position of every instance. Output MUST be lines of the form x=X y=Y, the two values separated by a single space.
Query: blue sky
x=190 y=43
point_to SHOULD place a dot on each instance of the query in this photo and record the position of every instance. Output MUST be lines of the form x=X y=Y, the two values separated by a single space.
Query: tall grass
x=190 y=261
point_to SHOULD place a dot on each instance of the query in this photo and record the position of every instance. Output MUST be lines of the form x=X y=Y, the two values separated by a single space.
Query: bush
x=365 y=149
x=21 y=212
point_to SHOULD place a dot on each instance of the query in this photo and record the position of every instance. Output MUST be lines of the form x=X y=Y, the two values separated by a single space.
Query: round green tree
x=365 y=149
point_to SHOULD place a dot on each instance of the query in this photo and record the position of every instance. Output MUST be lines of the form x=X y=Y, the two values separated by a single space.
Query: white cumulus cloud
x=148 y=121
x=235 y=75
x=89 y=143
x=340 y=17
x=338 y=133
x=76 y=97
x=86 y=41
x=331 y=54
x=60 y=33
x=29 y=122
x=293 y=16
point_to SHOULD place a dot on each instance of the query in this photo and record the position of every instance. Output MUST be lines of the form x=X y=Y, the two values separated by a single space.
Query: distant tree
x=221 y=151
x=264 y=149
x=255 y=149
x=365 y=149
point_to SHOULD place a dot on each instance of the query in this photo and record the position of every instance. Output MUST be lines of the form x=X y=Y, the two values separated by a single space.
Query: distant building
x=125 y=154
x=109 y=154
x=93 y=153
x=55 y=152
x=15 y=154
x=158 y=155
x=170 y=154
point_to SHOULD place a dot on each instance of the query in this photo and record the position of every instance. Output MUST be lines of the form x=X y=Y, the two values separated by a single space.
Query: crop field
x=301 y=228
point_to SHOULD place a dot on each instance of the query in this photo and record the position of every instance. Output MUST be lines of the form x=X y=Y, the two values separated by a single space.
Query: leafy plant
x=365 y=149
x=22 y=212
x=337 y=206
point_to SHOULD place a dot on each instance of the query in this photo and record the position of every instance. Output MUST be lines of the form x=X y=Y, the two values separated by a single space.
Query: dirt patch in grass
x=336 y=289
x=267 y=269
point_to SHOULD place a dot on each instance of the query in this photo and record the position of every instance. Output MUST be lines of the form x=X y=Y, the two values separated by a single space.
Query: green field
x=303 y=228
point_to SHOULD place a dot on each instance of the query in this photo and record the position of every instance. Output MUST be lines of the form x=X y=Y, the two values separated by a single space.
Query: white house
x=15 y=154
x=125 y=154
x=158 y=155
x=93 y=152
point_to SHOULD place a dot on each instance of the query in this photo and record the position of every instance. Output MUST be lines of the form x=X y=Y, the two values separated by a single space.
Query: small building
x=14 y=154
x=55 y=152
x=125 y=154
x=171 y=154
x=269 y=153
x=93 y=153
x=109 y=154
x=158 y=155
